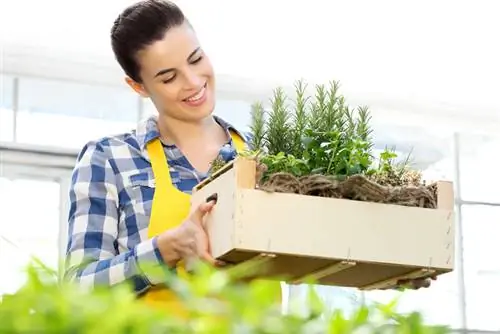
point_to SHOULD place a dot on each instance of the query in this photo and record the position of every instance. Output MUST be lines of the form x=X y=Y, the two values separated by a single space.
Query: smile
x=197 y=98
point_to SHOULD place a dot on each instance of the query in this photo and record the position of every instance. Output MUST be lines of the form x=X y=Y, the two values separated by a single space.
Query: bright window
x=30 y=227
x=6 y=106
x=481 y=228
x=479 y=160
x=235 y=112
x=75 y=113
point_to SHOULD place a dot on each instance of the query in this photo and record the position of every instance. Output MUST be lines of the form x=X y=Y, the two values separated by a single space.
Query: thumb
x=201 y=211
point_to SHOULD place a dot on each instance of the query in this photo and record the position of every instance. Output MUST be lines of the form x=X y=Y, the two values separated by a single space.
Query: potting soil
x=356 y=187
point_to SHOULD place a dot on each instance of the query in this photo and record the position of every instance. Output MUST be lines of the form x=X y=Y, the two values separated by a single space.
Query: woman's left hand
x=415 y=284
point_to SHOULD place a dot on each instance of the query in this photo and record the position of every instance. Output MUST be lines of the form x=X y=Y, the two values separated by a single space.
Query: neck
x=182 y=133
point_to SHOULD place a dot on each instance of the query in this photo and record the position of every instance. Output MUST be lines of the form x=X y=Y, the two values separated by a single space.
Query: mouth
x=198 y=97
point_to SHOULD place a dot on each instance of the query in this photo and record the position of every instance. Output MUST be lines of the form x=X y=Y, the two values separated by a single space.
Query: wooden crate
x=334 y=241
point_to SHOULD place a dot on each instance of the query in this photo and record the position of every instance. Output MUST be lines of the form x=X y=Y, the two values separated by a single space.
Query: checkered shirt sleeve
x=92 y=255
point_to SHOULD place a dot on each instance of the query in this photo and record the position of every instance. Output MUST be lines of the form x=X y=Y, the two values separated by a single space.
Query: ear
x=139 y=88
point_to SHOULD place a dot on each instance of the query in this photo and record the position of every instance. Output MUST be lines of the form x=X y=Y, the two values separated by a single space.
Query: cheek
x=166 y=94
x=207 y=69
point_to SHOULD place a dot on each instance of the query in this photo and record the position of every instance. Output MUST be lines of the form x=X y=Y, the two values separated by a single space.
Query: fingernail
x=219 y=263
x=212 y=197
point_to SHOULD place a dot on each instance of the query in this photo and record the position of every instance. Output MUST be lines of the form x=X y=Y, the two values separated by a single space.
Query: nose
x=192 y=80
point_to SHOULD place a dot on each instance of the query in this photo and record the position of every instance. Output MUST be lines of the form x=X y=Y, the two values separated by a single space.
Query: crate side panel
x=220 y=221
x=446 y=195
x=344 y=229
x=446 y=201
x=246 y=173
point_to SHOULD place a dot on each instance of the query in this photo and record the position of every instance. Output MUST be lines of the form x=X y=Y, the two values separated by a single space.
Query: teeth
x=198 y=96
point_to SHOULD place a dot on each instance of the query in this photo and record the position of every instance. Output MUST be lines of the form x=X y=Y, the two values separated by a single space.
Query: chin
x=205 y=111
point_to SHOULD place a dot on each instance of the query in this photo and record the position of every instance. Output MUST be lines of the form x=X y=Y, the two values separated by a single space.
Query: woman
x=130 y=192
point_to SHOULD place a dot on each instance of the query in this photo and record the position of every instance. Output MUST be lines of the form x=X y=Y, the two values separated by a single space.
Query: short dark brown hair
x=140 y=25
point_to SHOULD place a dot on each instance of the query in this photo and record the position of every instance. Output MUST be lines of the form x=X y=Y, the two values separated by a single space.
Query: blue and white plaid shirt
x=110 y=204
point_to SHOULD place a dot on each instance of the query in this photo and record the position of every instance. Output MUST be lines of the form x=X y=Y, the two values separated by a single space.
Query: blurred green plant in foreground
x=46 y=305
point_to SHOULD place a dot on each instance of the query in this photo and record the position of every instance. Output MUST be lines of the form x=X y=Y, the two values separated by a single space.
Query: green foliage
x=257 y=126
x=43 y=305
x=285 y=163
x=336 y=153
x=299 y=118
x=319 y=135
x=389 y=171
x=278 y=128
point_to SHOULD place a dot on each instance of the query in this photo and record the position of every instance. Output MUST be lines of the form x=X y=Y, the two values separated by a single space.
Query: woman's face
x=177 y=76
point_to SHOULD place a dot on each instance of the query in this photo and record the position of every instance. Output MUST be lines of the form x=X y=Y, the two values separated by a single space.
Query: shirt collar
x=147 y=130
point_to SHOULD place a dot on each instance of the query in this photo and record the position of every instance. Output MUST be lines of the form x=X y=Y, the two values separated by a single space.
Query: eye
x=197 y=60
x=169 y=79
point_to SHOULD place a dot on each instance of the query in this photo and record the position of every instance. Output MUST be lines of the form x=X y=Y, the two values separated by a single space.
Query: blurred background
x=428 y=70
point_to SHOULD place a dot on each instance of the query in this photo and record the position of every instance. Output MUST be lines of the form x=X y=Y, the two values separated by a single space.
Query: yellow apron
x=169 y=209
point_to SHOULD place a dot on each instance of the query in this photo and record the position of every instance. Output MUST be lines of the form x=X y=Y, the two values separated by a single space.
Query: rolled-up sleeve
x=92 y=256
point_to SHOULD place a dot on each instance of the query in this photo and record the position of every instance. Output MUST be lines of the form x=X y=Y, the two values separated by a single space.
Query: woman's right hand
x=189 y=240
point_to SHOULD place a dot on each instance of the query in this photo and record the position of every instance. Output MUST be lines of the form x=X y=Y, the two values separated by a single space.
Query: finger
x=190 y=250
x=208 y=245
x=426 y=283
x=402 y=282
x=189 y=261
x=409 y=284
x=208 y=258
x=421 y=283
x=220 y=264
x=205 y=239
x=201 y=211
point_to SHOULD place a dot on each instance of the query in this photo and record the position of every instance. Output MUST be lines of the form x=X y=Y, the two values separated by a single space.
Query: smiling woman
x=172 y=70
x=130 y=193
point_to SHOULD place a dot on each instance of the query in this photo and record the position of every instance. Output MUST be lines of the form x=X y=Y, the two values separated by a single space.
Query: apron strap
x=159 y=160
x=158 y=163
x=238 y=141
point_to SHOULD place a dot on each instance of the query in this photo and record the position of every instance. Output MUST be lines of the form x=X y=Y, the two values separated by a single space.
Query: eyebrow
x=167 y=70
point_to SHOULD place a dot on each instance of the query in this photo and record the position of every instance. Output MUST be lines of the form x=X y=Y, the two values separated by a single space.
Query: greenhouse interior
x=427 y=71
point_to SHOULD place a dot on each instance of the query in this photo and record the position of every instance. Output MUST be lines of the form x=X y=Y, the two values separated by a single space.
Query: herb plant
x=321 y=134
x=314 y=136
